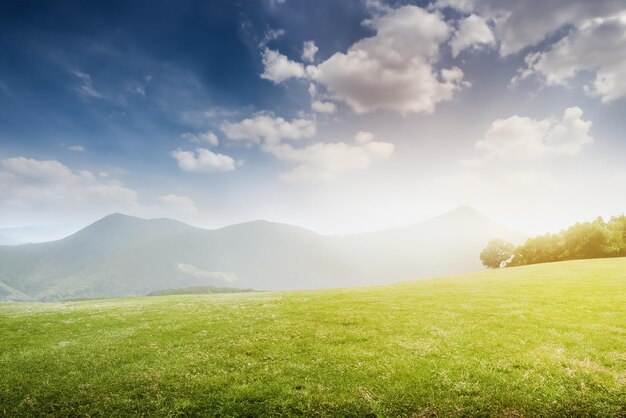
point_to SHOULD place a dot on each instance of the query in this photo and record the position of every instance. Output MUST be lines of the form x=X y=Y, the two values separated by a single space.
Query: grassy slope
x=198 y=290
x=535 y=340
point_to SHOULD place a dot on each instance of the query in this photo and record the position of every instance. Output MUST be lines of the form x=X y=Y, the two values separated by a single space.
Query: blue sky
x=337 y=116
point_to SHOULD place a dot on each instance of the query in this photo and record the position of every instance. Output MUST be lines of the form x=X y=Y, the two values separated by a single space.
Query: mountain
x=123 y=255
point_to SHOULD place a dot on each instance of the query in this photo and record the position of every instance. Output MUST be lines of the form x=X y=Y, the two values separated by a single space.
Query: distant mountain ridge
x=123 y=255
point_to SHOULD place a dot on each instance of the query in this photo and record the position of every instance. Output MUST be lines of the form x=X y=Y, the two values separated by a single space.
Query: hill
x=525 y=341
x=122 y=255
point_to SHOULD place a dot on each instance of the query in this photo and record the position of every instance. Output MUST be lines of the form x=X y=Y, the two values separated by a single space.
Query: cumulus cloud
x=473 y=32
x=323 y=107
x=86 y=88
x=518 y=25
x=594 y=39
x=278 y=68
x=206 y=137
x=523 y=137
x=203 y=160
x=30 y=184
x=324 y=161
x=319 y=161
x=395 y=69
x=598 y=46
x=268 y=130
x=309 y=49
x=363 y=137
x=178 y=204
x=465 y=6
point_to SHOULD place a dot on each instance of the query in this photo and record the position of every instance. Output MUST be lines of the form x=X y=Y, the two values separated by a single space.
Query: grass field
x=542 y=340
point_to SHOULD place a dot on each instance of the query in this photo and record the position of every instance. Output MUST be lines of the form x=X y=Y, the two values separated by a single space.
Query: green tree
x=616 y=237
x=585 y=240
x=596 y=239
x=540 y=249
x=496 y=252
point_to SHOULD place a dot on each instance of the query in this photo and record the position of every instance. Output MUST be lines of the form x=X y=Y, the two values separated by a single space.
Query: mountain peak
x=119 y=226
x=123 y=219
x=118 y=216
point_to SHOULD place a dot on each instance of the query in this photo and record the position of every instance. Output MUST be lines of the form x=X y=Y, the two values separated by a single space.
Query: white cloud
x=379 y=149
x=454 y=75
x=271 y=35
x=465 y=6
x=363 y=137
x=473 y=33
x=76 y=148
x=598 y=46
x=523 y=137
x=278 y=68
x=309 y=49
x=207 y=137
x=31 y=184
x=395 y=69
x=269 y=130
x=203 y=160
x=86 y=88
x=320 y=161
x=325 y=161
x=178 y=204
x=323 y=107
x=519 y=24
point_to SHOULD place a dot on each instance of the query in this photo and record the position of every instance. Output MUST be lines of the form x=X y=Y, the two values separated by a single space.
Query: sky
x=336 y=116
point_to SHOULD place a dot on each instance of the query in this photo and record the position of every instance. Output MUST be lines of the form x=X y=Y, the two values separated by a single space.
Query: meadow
x=539 y=340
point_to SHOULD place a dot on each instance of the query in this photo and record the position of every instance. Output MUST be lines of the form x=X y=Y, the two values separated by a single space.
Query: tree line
x=596 y=239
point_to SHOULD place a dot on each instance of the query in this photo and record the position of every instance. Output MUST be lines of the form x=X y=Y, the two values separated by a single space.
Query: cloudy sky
x=336 y=116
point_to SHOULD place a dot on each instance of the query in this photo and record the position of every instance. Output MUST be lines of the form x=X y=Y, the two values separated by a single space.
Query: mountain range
x=122 y=255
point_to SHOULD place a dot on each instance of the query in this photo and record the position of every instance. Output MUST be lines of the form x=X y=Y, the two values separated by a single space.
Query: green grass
x=198 y=290
x=541 y=340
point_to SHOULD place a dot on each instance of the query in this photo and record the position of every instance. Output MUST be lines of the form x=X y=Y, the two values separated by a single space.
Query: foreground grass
x=530 y=341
